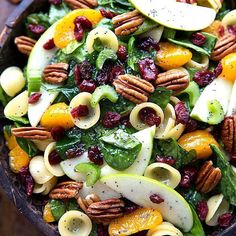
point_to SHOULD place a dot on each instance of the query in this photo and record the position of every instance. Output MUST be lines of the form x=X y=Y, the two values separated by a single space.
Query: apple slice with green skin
x=212 y=105
x=232 y=102
x=138 y=189
x=145 y=137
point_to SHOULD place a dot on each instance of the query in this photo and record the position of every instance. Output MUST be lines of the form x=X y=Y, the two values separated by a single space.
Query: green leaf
x=56 y=12
x=145 y=27
x=107 y=23
x=228 y=179
x=192 y=196
x=4 y=98
x=117 y=6
x=58 y=208
x=72 y=46
x=21 y=120
x=27 y=146
x=104 y=55
x=161 y=97
x=72 y=205
x=98 y=45
x=38 y=19
x=169 y=33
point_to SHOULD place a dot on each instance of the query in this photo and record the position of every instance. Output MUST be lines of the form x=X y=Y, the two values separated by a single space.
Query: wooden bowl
x=9 y=56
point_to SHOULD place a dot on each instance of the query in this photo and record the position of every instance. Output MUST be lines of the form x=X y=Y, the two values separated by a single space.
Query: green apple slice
x=138 y=189
x=232 y=102
x=145 y=137
x=176 y=15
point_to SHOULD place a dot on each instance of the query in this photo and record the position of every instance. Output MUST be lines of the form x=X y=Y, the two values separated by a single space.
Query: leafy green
x=228 y=179
x=94 y=230
x=27 y=146
x=98 y=45
x=205 y=49
x=117 y=6
x=72 y=205
x=58 y=208
x=107 y=23
x=161 y=97
x=169 y=33
x=72 y=46
x=145 y=27
x=56 y=12
x=104 y=55
x=4 y=98
x=170 y=147
x=120 y=150
x=192 y=196
x=21 y=120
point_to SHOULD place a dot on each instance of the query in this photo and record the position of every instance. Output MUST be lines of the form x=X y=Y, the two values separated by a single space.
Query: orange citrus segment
x=139 y=220
x=64 y=31
x=57 y=115
x=47 y=214
x=214 y=28
x=18 y=159
x=11 y=141
x=229 y=67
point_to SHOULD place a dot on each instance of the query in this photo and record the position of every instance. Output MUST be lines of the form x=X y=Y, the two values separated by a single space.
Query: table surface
x=12 y=223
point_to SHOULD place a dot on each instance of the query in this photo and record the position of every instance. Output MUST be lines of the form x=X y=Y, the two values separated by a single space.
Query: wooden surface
x=12 y=223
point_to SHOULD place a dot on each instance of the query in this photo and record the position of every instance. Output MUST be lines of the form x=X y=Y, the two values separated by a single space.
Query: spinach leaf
x=21 y=120
x=169 y=33
x=145 y=27
x=56 y=12
x=161 y=97
x=4 y=98
x=98 y=45
x=197 y=229
x=117 y=6
x=120 y=150
x=228 y=179
x=94 y=230
x=170 y=147
x=72 y=205
x=27 y=146
x=205 y=49
x=107 y=23
x=104 y=55
x=58 y=208
x=192 y=196
x=72 y=46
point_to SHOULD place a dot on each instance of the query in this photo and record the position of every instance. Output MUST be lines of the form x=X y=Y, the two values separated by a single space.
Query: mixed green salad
x=124 y=116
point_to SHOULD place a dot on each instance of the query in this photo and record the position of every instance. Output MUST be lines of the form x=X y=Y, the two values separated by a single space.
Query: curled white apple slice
x=92 y=118
x=45 y=188
x=214 y=4
x=202 y=65
x=164 y=173
x=56 y=170
x=42 y=144
x=74 y=223
x=155 y=33
x=165 y=228
x=230 y=18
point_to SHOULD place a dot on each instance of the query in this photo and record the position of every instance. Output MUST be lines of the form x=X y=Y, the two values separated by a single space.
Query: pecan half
x=36 y=133
x=66 y=190
x=25 y=44
x=133 y=88
x=127 y=23
x=224 y=46
x=56 y=73
x=84 y=203
x=81 y=4
x=175 y=79
x=208 y=177
x=228 y=134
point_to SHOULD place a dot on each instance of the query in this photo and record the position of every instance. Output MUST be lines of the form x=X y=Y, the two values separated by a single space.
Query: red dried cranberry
x=36 y=29
x=191 y=125
x=107 y=14
x=85 y=23
x=202 y=209
x=129 y=206
x=116 y=71
x=224 y=220
x=190 y=171
x=26 y=180
x=111 y=120
x=167 y=160
x=102 y=230
x=76 y=151
x=34 y=98
x=95 y=156
x=218 y=70
x=155 y=198
x=86 y=70
x=55 y=2
x=87 y=86
x=57 y=133
x=78 y=32
x=147 y=43
x=49 y=44
x=148 y=69
x=80 y=111
x=23 y=172
x=125 y=120
x=149 y=117
x=232 y=29
x=54 y=158
x=198 y=39
x=185 y=181
x=204 y=78
x=77 y=75
x=105 y=75
x=221 y=31
x=233 y=160
x=122 y=53
x=182 y=113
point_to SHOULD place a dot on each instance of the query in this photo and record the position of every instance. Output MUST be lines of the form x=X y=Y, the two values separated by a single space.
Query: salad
x=123 y=117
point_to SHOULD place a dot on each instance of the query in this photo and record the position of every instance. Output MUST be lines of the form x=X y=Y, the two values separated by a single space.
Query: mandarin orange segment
x=214 y=28
x=229 y=67
x=139 y=220
x=11 y=141
x=18 y=159
x=47 y=214
x=57 y=115
x=200 y=141
x=171 y=56
x=64 y=31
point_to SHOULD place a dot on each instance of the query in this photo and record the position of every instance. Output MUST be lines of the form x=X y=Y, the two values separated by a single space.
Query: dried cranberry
x=221 y=31
x=27 y=180
x=102 y=230
x=116 y=71
x=185 y=181
x=191 y=125
x=85 y=23
x=224 y=220
x=148 y=69
x=36 y=29
x=77 y=75
x=149 y=117
x=147 y=43
x=129 y=206
x=167 y=160
x=155 y=198
x=111 y=120
x=55 y=2
x=204 y=78
x=34 y=98
x=218 y=70
x=80 y=111
x=107 y=14
x=57 y=133
x=105 y=76
x=87 y=86
x=122 y=53
x=54 y=158
x=95 y=156
x=76 y=151
x=49 y=44
x=85 y=70
x=125 y=120
x=202 y=209
x=23 y=172
x=79 y=32
x=182 y=113
x=232 y=29
x=198 y=39
x=233 y=160
x=190 y=171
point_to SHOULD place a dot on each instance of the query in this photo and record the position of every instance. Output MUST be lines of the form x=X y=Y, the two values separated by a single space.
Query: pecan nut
x=228 y=134
x=66 y=190
x=224 y=46
x=133 y=88
x=35 y=133
x=175 y=79
x=84 y=203
x=127 y=23
x=24 y=44
x=81 y=4
x=208 y=177
x=56 y=73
